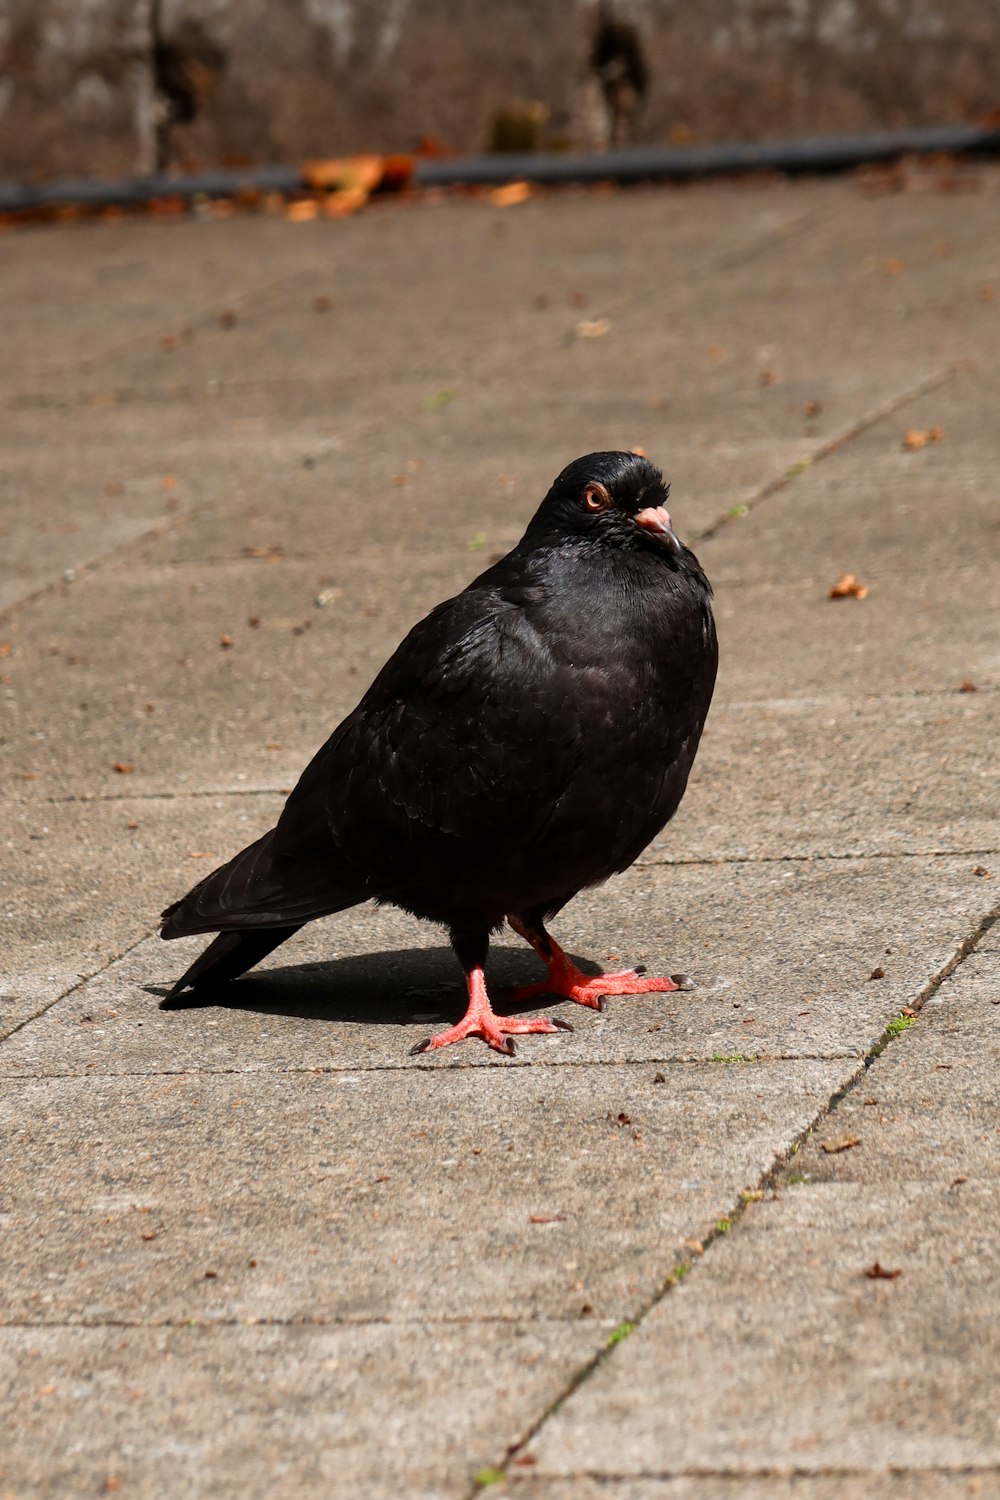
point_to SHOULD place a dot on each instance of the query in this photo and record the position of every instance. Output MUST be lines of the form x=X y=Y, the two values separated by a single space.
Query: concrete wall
x=84 y=89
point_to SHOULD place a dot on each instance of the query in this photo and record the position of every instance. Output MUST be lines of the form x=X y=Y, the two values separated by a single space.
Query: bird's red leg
x=480 y=1019
x=572 y=983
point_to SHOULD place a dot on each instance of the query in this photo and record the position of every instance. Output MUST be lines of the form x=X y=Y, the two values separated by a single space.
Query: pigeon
x=525 y=741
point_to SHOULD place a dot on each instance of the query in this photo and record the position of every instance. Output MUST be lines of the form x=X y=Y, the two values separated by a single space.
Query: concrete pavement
x=258 y=1244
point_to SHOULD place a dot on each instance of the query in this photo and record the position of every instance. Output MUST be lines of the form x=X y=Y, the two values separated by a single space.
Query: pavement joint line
x=765 y=1471
x=498 y=1319
x=831 y=445
x=93 y=564
x=78 y=983
x=729 y=1221
x=697 y=1060
x=846 y=856
x=962 y=952
x=88 y=364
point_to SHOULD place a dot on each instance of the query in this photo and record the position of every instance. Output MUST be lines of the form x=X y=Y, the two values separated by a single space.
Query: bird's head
x=612 y=499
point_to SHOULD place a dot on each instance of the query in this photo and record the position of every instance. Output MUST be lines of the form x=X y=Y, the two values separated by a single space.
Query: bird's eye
x=596 y=497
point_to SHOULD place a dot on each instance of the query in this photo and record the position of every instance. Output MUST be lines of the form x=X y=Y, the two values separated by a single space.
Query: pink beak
x=655 y=518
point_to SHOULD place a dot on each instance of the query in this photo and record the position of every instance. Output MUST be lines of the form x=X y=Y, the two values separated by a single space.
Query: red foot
x=481 y=1020
x=567 y=980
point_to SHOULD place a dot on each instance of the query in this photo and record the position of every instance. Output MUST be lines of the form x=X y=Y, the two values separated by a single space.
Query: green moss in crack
x=621 y=1332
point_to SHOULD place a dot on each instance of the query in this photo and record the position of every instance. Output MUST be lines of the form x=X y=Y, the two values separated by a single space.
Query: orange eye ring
x=596 y=497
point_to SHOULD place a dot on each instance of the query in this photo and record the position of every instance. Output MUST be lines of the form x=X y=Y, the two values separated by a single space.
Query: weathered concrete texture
x=329 y=469
x=108 y=86
x=76 y=88
x=864 y=1484
x=234 y=1411
x=519 y=1193
x=899 y=1181
x=360 y=989
x=108 y=861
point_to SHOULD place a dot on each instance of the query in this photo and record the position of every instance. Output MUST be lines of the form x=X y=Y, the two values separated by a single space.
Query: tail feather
x=230 y=955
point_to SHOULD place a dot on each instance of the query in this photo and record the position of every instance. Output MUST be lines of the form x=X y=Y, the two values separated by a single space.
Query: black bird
x=526 y=740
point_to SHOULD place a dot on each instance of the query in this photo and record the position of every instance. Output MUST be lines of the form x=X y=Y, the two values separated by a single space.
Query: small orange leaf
x=301 y=210
x=916 y=437
x=840 y=1143
x=595 y=329
x=122 y=767
x=510 y=194
x=849 y=587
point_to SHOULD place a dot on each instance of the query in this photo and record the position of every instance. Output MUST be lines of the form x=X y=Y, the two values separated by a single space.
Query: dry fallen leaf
x=347 y=201
x=511 y=194
x=878 y=973
x=543 y=1218
x=225 y=641
x=344 y=173
x=849 y=587
x=122 y=767
x=968 y=687
x=840 y=1143
x=201 y=854
x=879 y=1273
x=916 y=437
x=593 y=330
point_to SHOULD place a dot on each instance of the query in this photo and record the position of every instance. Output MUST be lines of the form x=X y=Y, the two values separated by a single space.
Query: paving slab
x=92 y=877
x=375 y=1410
x=782 y=955
x=520 y=1193
x=892 y=1261
x=865 y=1484
x=242 y=686
x=241 y=416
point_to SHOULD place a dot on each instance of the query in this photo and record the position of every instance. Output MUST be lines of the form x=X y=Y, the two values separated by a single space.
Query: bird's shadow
x=391 y=988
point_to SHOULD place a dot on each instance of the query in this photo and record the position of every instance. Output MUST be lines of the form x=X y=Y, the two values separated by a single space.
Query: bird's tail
x=254 y=903
x=230 y=955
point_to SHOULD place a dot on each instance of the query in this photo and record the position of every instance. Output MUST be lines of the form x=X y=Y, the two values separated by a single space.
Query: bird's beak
x=656 y=520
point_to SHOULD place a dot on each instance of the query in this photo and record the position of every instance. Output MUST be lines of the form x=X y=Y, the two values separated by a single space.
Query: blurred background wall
x=122 y=86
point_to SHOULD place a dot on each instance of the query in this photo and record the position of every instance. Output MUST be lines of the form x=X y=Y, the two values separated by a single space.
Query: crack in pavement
x=830 y=445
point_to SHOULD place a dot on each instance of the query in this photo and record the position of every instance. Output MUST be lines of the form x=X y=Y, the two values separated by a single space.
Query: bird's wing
x=468 y=732
x=261 y=887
